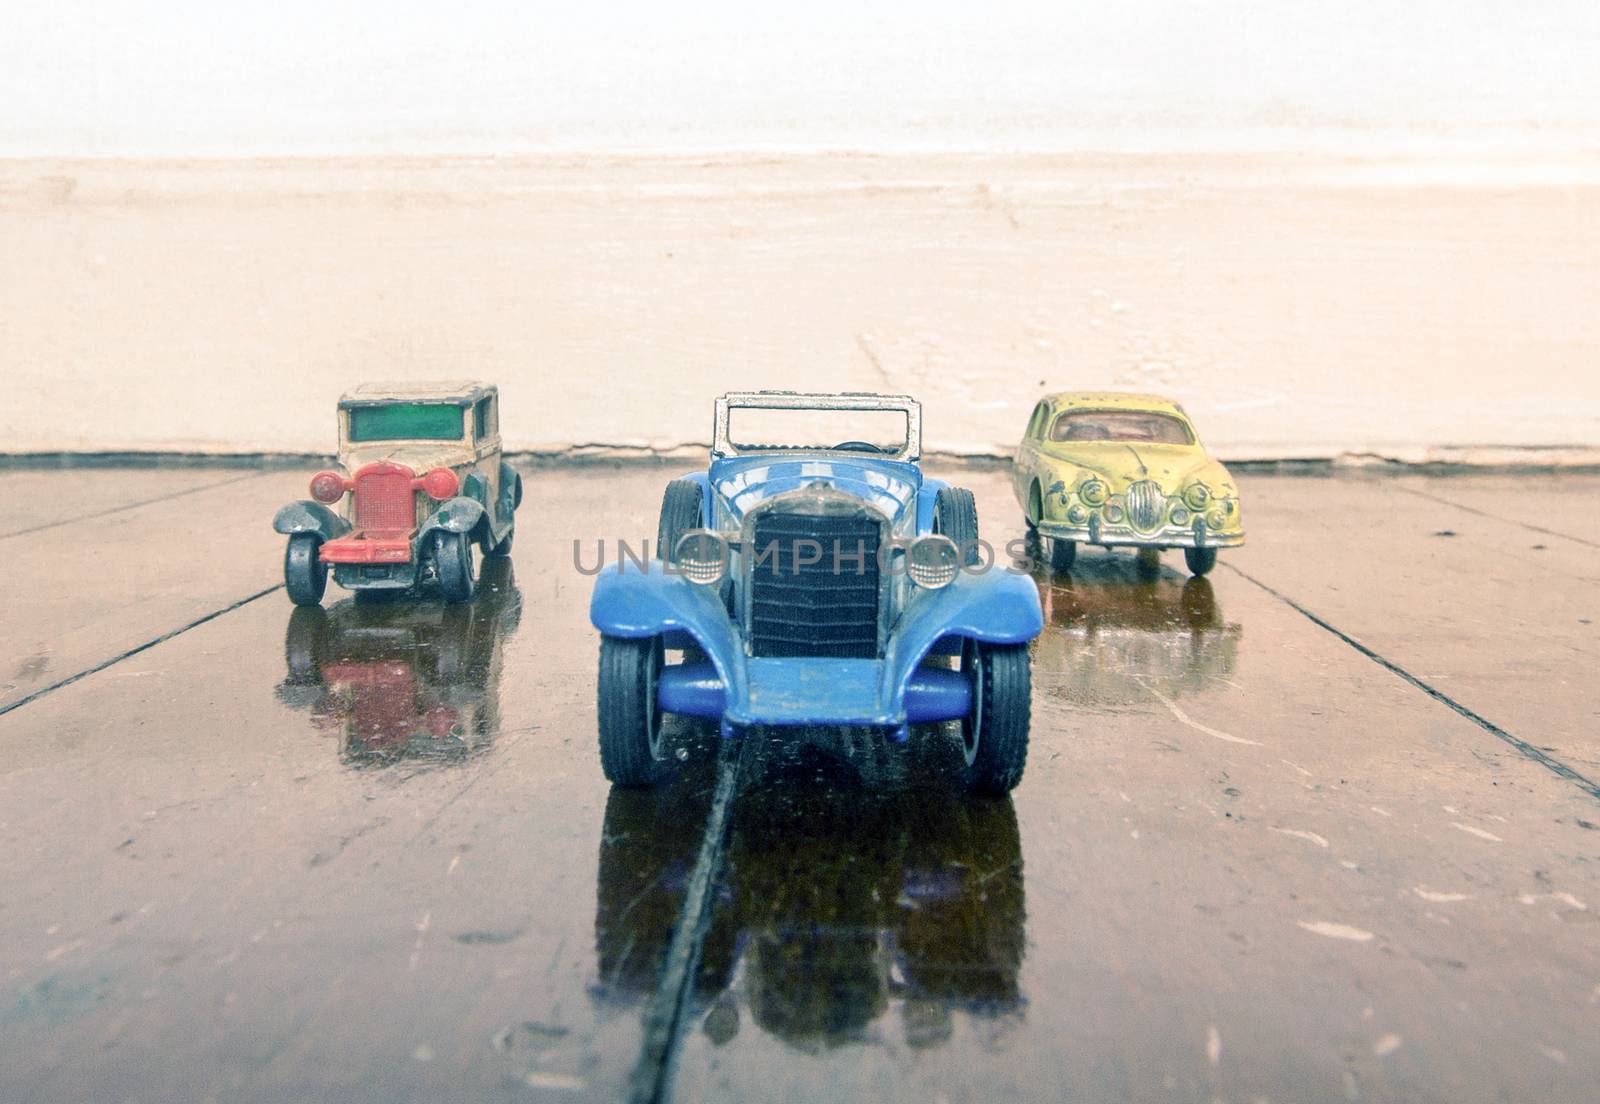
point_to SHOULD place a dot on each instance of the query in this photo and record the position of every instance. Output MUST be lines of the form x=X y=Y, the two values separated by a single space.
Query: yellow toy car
x=1110 y=468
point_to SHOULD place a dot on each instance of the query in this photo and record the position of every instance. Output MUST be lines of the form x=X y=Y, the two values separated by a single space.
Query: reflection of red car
x=404 y=679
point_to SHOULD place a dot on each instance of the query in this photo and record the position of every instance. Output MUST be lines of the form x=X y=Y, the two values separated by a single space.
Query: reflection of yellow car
x=1109 y=468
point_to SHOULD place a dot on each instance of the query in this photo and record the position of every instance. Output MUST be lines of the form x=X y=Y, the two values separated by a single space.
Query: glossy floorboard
x=1321 y=827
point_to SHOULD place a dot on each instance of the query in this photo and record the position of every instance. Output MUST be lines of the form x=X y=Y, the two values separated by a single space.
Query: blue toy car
x=816 y=584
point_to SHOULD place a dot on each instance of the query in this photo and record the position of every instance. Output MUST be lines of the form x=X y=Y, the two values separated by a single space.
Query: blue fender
x=927 y=500
x=456 y=515
x=639 y=603
x=310 y=517
x=995 y=607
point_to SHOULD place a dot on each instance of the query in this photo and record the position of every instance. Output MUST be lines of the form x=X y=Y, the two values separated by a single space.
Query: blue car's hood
x=743 y=482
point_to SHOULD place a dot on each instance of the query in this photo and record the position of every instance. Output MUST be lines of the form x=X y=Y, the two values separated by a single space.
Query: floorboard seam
x=131 y=652
x=130 y=506
x=1496 y=517
x=1523 y=747
x=664 y=1017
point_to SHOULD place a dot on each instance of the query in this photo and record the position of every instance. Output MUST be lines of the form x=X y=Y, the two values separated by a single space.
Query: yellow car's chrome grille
x=1147 y=506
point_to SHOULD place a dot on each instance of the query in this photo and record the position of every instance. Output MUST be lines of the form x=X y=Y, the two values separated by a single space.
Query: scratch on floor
x=1437 y=897
x=1298 y=833
x=422 y=930
x=1565 y=898
x=1184 y=718
x=1479 y=832
x=1336 y=931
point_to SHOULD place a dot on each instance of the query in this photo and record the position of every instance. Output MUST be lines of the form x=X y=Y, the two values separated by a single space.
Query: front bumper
x=890 y=691
x=1108 y=536
x=362 y=548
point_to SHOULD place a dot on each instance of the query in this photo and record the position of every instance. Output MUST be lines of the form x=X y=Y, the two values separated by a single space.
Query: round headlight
x=1077 y=515
x=327 y=486
x=1180 y=516
x=701 y=555
x=1114 y=513
x=1217 y=519
x=1093 y=492
x=1197 y=495
x=441 y=483
x=932 y=562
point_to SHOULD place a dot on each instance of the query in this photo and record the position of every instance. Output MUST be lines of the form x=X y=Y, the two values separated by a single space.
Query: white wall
x=1364 y=227
x=197 y=77
x=1299 y=308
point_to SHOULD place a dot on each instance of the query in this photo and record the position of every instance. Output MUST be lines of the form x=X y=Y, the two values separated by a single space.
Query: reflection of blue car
x=817 y=584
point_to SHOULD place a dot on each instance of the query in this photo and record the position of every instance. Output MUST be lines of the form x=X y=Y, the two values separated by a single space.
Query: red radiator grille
x=384 y=501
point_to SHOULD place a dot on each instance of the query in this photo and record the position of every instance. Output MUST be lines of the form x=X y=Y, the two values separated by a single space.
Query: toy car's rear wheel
x=503 y=548
x=680 y=512
x=1200 y=560
x=630 y=718
x=305 y=576
x=1063 y=554
x=994 y=736
x=955 y=515
x=451 y=554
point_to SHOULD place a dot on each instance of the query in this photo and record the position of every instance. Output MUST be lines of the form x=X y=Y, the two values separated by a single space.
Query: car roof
x=1114 y=400
x=459 y=392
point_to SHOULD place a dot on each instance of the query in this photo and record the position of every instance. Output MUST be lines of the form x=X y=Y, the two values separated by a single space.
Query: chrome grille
x=827 y=608
x=384 y=501
x=1147 y=506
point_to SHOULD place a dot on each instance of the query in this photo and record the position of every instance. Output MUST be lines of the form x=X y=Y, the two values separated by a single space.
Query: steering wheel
x=860 y=446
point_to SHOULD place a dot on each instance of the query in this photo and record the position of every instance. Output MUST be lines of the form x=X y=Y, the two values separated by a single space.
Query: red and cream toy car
x=421 y=481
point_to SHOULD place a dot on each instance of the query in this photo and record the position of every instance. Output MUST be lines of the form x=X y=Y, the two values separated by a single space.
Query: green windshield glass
x=405 y=422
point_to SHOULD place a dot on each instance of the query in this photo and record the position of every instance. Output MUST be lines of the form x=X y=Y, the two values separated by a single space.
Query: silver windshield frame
x=722 y=445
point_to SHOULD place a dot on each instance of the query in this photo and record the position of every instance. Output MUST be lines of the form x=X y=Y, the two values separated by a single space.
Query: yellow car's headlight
x=1092 y=492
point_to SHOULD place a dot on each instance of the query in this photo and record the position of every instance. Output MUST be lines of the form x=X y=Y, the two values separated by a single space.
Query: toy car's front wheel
x=994 y=736
x=451 y=554
x=305 y=576
x=630 y=718
x=1200 y=560
x=1063 y=554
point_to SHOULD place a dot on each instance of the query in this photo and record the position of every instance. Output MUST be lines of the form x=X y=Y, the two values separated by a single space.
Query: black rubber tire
x=1147 y=562
x=680 y=512
x=1200 y=560
x=630 y=718
x=1035 y=512
x=994 y=737
x=955 y=515
x=1063 y=554
x=503 y=549
x=451 y=554
x=305 y=577
x=303 y=644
